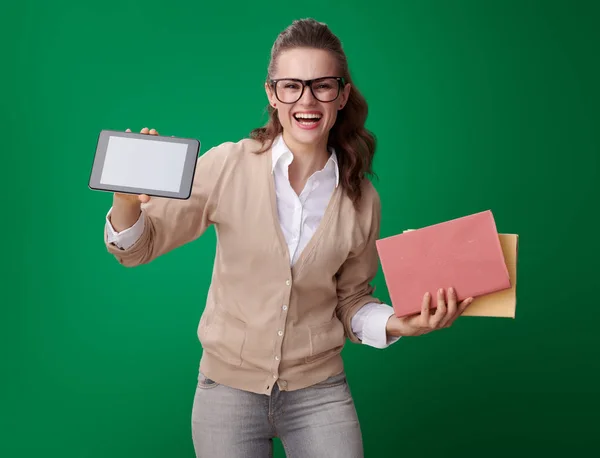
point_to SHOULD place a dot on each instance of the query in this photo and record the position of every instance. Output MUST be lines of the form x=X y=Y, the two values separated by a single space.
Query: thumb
x=144 y=198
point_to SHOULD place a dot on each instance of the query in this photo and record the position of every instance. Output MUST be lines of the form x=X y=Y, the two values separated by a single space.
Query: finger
x=127 y=130
x=153 y=132
x=461 y=308
x=451 y=308
x=425 y=310
x=144 y=198
x=452 y=299
x=440 y=313
x=463 y=305
x=145 y=130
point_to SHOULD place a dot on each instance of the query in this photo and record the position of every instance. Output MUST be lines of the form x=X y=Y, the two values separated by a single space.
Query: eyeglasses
x=290 y=90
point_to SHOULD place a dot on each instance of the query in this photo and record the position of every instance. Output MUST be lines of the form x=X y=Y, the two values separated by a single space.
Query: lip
x=311 y=126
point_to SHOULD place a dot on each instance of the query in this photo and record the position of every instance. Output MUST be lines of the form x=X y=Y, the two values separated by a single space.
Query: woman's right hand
x=127 y=207
x=134 y=199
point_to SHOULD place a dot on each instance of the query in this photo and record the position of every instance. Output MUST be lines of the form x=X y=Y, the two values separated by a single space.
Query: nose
x=307 y=97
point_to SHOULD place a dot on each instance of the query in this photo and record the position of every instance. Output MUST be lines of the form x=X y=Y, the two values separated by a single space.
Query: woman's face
x=307 y=121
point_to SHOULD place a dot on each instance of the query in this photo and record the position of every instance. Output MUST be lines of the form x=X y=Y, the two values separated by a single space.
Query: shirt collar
x=280 y=150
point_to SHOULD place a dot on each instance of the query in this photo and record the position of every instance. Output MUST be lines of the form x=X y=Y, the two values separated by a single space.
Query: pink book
x=464 y=253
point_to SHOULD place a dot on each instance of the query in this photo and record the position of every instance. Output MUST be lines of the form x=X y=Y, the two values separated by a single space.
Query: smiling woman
x=308 y=55
x=297 y=220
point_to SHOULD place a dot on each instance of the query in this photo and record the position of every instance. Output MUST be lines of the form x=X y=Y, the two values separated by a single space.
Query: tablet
x=131 y=163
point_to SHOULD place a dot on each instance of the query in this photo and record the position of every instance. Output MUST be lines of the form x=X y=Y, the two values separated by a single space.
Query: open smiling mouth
x=308 y=120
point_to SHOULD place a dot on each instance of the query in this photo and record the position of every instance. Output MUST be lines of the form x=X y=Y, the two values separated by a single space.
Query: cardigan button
x=287 y=282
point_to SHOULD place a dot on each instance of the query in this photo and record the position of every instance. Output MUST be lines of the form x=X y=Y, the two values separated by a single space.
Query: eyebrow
x=307 y=79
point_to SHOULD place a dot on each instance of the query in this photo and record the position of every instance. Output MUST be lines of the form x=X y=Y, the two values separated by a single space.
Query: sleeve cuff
x=126 y=238
x=371 y=321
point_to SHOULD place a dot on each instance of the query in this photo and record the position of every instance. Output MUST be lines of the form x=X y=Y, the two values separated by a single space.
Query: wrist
x=392 y=327
x=125 y=212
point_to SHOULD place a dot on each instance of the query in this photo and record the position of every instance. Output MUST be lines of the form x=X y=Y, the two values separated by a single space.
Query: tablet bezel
x=189 y=168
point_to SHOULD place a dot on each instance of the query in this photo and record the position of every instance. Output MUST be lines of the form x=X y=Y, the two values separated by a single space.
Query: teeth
x=307 y=116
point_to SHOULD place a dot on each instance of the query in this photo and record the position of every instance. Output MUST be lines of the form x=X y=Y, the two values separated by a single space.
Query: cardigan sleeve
x=354 y=289
x=171 y=223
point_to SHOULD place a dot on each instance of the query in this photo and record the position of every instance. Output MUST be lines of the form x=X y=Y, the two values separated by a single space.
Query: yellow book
x=502 y=303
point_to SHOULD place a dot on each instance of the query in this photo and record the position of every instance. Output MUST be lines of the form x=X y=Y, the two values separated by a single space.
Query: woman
x=296 y=219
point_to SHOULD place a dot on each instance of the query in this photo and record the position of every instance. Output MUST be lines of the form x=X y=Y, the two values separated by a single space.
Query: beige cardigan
x=266 y=322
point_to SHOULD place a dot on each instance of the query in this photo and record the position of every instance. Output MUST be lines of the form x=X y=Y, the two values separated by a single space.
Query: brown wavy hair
x=354 y=144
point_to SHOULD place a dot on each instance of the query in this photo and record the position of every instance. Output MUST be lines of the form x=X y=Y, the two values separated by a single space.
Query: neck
x=308 y=158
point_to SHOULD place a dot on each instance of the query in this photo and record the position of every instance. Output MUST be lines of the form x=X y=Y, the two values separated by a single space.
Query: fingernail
x=451 y=290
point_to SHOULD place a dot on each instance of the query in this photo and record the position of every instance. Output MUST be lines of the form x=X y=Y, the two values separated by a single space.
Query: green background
x=477 y=105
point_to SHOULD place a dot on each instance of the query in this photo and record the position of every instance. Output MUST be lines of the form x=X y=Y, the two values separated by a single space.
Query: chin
x=309 y=138
x=308 y=135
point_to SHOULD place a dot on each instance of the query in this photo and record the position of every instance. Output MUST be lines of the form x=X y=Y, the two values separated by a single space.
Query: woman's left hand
x=424 y=322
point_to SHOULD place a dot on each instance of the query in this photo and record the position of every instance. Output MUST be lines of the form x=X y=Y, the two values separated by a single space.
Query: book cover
x=464 y=253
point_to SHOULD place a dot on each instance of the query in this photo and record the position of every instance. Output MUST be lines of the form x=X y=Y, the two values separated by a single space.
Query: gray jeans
x=315 y=422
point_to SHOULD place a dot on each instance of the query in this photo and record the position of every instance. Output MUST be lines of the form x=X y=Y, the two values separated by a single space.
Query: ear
x=270 y=95
x=345 y=95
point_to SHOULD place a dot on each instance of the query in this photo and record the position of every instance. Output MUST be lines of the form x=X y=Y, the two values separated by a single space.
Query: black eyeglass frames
x=290 y=90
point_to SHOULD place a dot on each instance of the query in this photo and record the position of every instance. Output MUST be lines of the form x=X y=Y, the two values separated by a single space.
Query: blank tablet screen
x=144 y=164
